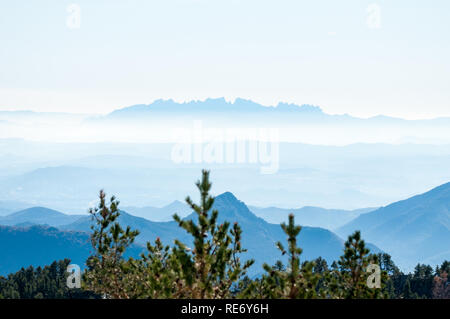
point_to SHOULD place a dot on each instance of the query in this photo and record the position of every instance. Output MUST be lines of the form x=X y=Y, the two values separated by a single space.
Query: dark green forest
x=214 y=266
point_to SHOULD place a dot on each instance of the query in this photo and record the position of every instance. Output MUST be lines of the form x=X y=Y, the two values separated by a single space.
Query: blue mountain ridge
x=37 y=245
x=40 y=216
x=214 y=106
x=259 y=237
x=413 y=230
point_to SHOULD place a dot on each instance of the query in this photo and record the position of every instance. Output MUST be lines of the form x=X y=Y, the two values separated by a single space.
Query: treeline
x=212 y=266
x=49 y=282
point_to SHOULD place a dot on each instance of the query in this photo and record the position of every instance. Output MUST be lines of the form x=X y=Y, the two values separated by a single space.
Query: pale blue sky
x=317 y=52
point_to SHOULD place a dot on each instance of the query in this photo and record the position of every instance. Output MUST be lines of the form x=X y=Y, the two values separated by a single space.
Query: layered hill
x=310 y=216
x=39 y=216
x=159 y=214
x=413 y=230
x=259 y=237
x=39 y=246
x=35 y=245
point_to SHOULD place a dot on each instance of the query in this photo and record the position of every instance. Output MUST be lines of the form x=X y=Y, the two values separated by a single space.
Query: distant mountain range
x=412 y=231
x=41 y=245
x=259 y=236
x=306 y=216
x=244 y=106
x=207 y=106
x=296 y=123
x=38 y=216
x=160 y=120
x=159 y=214
x=219 y=105
x=310 y=216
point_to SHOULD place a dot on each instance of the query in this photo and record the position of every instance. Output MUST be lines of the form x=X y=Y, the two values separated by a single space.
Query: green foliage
x=39 y=283
x=445 y=267
x=407 y=292
x=352 y=275
x=108 y=273
x=422 y=280
x=212 y=266
x=293 y=281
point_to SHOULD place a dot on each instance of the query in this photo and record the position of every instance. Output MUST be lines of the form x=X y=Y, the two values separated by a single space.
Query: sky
x=359 y=57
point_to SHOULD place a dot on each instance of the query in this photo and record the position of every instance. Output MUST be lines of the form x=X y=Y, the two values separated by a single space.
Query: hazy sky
x=351 y=56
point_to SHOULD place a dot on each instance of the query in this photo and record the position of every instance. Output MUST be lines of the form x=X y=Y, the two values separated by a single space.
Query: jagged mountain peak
x=215 y=104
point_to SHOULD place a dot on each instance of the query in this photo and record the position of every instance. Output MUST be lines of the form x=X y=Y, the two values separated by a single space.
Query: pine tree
x=293 y=281
x=352 y=282
x=108 y=273
x=422 y=280
x=212 y=266
x=407 y=292
x=210 y=269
